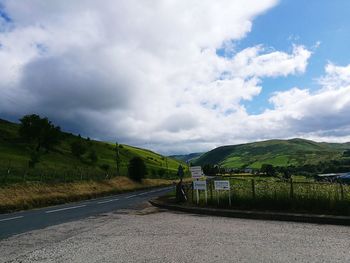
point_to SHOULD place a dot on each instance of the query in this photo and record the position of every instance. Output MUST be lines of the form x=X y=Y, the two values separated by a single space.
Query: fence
x=19 y=175
x=278 y=195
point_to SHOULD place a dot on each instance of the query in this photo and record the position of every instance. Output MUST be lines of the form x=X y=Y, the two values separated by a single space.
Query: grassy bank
x=31 y=195
x=59 y=165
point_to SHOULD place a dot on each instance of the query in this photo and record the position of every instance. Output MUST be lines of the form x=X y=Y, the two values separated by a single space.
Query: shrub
x=77 y=148
x=137 y=169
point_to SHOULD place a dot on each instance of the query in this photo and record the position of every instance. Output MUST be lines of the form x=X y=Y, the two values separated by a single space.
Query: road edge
x=259 y=215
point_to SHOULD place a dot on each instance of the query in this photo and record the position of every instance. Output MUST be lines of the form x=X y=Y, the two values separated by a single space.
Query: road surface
x=20 y=222
x=145 y=234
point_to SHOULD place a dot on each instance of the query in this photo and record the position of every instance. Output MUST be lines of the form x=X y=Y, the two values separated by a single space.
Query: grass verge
x=32 y=195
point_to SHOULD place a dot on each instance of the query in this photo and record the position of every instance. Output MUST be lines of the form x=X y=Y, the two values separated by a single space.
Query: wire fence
x=20 y=175
x=16 y=174
x=276 y=195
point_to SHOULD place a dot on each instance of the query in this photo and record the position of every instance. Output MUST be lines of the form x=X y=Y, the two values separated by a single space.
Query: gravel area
x=150 y=235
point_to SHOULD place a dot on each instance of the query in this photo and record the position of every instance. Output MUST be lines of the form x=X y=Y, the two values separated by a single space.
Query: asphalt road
x=24 y=221
x=147 y=234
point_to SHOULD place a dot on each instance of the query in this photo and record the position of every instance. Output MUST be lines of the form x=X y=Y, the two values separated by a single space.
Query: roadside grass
x=301 y=196
x=32 y=195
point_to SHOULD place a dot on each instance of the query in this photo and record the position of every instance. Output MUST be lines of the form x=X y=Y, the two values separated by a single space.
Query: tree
x=40 y=134
x=180 y=172
x=268 y=169
x=93 y=157
x=105 y=167
x=78 y=148
x=286 y=172
x=210 y=170
x=39 y=131
x=346 y=153
x=137 y=169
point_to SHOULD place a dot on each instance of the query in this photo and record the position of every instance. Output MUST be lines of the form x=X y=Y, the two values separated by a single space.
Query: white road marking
x=107 y=201
x=10 y=218
x=62 y=209
x=130 y=196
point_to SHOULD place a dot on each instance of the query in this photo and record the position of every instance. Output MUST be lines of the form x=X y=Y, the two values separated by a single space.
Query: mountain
x=295 y=152
x=187 y=157
x=14 y=155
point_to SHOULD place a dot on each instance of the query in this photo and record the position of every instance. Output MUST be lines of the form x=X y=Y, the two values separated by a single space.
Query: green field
x=301 y=194
x=294 y=152
x=60 y=165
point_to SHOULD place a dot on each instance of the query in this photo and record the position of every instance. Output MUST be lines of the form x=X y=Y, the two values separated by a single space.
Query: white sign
x=196 y=171
x=200 y=185
x=222 y=185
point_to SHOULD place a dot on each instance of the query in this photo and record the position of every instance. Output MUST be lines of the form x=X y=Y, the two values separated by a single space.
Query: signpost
x=200 y=186
x=196 y=172
x=223 y=186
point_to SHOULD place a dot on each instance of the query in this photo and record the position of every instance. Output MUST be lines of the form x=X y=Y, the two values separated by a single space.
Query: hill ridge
x=278 y=152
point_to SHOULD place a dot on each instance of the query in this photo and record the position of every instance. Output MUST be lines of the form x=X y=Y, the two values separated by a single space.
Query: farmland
x=299 y=194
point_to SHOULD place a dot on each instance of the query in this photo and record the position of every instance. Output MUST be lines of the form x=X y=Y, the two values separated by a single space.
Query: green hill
x=60 y=162
x=297 y=152
x=192 y=157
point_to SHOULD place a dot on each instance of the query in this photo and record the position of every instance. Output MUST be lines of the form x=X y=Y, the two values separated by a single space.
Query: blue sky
x=307 y=23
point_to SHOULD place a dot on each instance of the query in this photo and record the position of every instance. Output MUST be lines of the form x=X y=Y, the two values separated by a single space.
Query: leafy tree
x=346 y=153
x=33 y=159
x=93 y=157
x=210 y=170
x=286 y=172
x=40 y=132
x=268 y=169
x=180 y=172
x=78 y=148
x=137 y=169
x=105 y=167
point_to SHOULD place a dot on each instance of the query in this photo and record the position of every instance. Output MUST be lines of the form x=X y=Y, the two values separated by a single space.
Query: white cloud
x=250 y=62
x=321 y=115
x=143 y=72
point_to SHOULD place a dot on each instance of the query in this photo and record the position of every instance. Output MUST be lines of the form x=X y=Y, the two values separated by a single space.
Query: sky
x=179 y=76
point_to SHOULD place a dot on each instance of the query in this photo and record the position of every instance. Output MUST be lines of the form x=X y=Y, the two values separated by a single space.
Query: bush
x=93 y=157
x=105 y=167
x=78 y=148
x=39 y=132
x=137 y=169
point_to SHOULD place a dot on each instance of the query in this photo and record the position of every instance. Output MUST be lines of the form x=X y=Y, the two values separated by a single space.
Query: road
x=146 y=234
x=20 y=222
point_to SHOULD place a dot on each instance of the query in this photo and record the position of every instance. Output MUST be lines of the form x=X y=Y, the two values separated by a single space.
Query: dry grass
x=30 y=195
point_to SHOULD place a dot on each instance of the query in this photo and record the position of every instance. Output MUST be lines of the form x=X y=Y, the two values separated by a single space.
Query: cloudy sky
x=179 y=76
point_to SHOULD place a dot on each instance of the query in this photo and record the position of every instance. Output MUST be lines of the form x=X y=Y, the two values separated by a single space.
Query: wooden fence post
x=192 y=192
x=253 y=188
x=291 y=192
x=341 y=192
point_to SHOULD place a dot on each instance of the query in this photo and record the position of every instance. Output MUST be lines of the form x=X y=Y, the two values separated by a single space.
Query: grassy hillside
x=60 y=164
x=192 y=157
x=295 y=152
